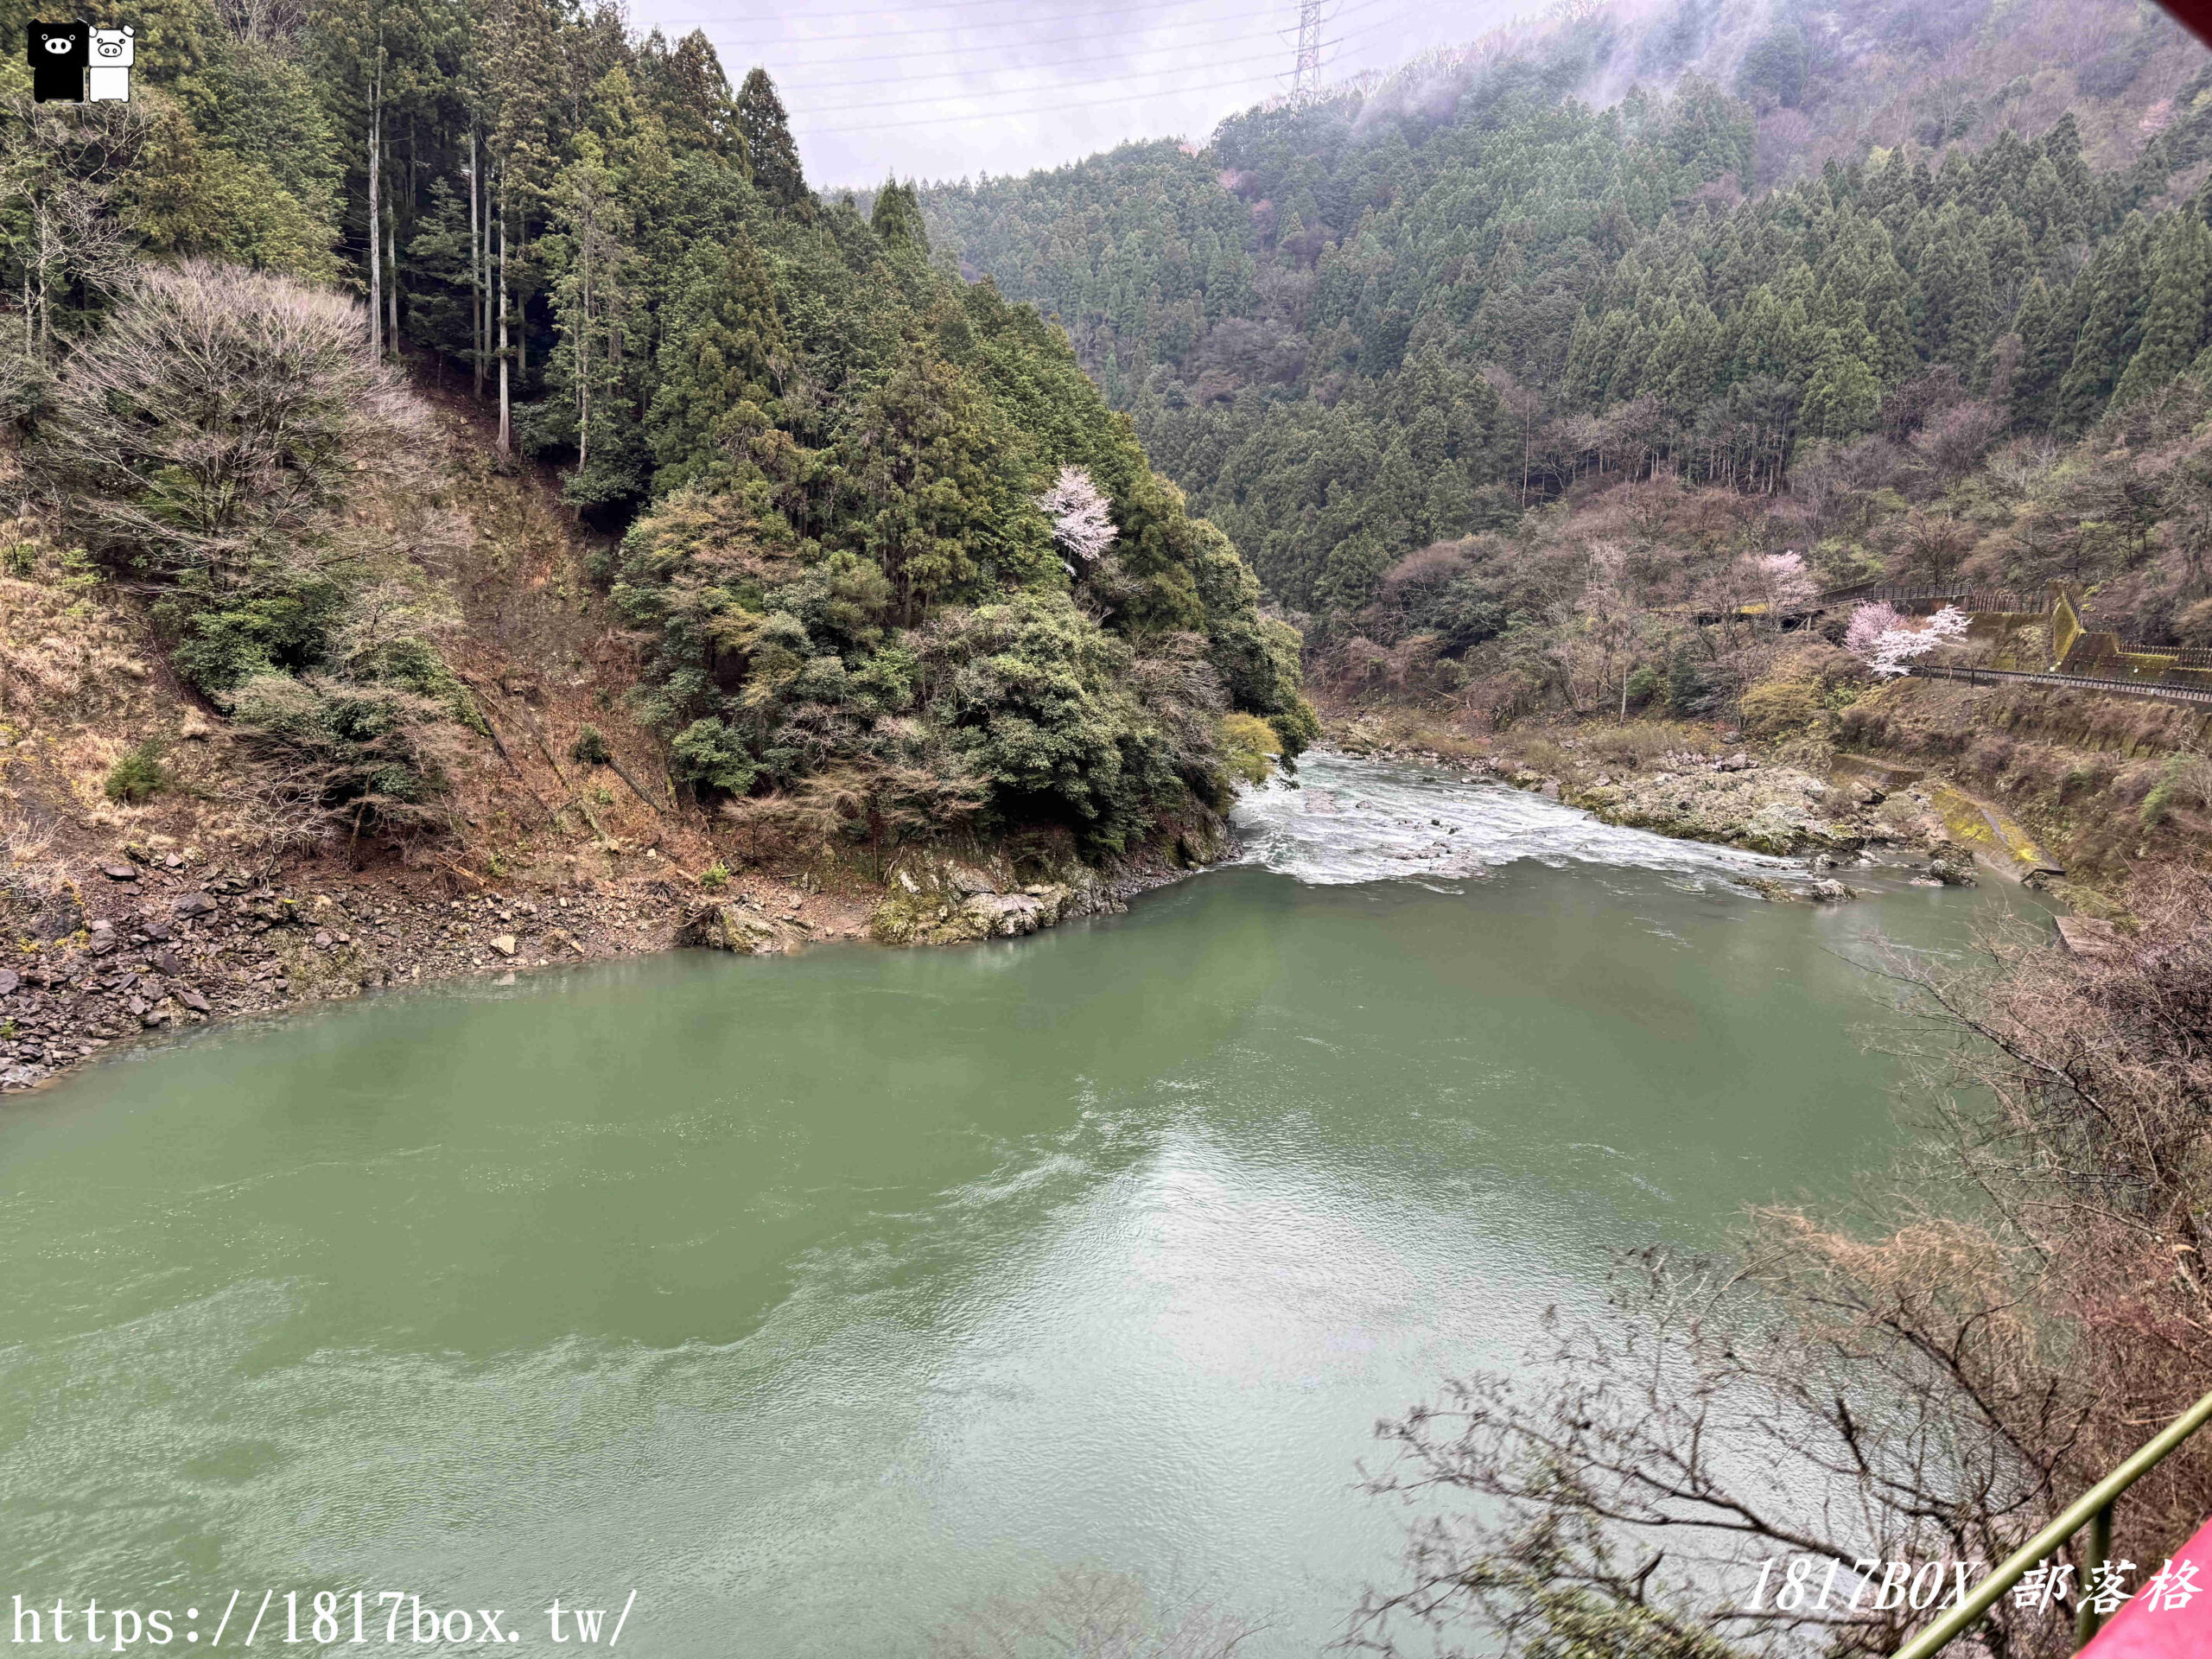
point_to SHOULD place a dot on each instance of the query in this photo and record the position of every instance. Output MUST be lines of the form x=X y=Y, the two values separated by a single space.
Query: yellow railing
x=2092 y=1509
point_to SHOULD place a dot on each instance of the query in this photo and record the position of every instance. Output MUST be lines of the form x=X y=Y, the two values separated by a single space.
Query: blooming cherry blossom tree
x=1783 y=582
x=1868 y=624
x=1082 y=523
x=1895 y=649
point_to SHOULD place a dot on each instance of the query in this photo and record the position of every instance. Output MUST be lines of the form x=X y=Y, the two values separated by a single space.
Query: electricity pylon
x=1306 y=74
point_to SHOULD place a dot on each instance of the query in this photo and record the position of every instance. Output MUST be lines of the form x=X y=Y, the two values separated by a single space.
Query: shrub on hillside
x=360 y=751
x=1251 y=747
x=1782 y=708
x=216 y=426
x=137 y=775
x=590 y=748
x=709 y=752
x=227 y=435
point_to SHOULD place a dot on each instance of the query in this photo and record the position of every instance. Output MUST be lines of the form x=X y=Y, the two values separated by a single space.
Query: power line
x=815 y=110
x=1022 y=68
x=1043 y=109
x=901 y=11
x=1043 y=40
x=991 y=92
x=1059 y=39
x=1021 y=22
x=1067 y=105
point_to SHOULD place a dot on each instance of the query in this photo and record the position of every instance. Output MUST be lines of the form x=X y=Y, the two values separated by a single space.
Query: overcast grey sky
x=962 y=87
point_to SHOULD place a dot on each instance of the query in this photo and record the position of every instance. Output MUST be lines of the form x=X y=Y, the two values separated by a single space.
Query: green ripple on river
x=814 y=1298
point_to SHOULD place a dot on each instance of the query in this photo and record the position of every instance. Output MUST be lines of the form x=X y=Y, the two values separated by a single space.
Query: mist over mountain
x=1708 y=240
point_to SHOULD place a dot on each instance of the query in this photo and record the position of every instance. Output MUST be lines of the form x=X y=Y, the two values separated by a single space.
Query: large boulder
x=712 y=927
x=937 y=898
x=957 y=919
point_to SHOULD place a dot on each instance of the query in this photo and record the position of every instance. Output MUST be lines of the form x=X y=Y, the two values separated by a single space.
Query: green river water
x=812 y=1298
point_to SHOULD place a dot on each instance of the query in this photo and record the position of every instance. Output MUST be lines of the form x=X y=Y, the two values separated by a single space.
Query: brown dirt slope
x=2105 y=784
x=205 y=899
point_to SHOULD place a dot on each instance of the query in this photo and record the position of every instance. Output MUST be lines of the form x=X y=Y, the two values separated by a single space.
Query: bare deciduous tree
x=1929 y=1385
x=221 y=420
x=881 y=804
x=877 y=803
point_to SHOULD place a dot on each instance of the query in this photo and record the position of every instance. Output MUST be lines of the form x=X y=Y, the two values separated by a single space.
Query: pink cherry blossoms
x=1082 y=523
x=1888 y=643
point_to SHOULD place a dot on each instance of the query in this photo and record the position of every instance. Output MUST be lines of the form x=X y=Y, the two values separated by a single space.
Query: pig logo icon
x=59 y=54
x=108 y=80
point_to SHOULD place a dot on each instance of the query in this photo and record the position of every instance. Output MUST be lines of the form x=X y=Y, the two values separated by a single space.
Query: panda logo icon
x=60 y=54
x=108 y=80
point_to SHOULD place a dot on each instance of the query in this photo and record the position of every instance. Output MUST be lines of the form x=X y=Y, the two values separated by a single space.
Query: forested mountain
x=1709 y=242
x=883 y=544
x=886 y=546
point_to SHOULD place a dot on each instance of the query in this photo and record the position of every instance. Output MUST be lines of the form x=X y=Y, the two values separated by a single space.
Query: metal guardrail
x=2092 y=1509
x=2077 y=682
x=2158 y=659
x=1966 y=599
x=1879 y=589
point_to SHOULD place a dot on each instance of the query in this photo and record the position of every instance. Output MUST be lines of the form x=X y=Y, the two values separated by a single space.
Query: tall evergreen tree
x=521 y=64
x=897 y=219
x=766 y=128
x=691 y=95
x=2114 y=292
x=589 y=251
x=2174 y=320
x=378 y=64
x=722 y=362
x=1842 y=396
x=2075 y=203
x=2046 y=348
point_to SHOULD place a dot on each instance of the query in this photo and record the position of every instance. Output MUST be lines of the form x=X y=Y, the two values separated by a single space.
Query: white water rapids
x=1346 y=821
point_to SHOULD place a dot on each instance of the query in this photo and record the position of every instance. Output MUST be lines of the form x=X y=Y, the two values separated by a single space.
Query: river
x=814 y=1299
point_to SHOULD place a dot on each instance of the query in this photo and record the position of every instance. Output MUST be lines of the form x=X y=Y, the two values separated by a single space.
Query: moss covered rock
x=940 y=898
x=713 y=927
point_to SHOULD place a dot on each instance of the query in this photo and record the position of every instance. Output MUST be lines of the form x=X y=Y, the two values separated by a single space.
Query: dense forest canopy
x=1390 y=340
x=1407 y=312
x=831 y=456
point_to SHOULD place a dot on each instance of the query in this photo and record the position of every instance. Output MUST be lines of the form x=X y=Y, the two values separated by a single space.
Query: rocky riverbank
x=1739 y=802
x=939 y=897
x=172 y=943
x=159 y=938
x=2071 y=794
x=1735 y=801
